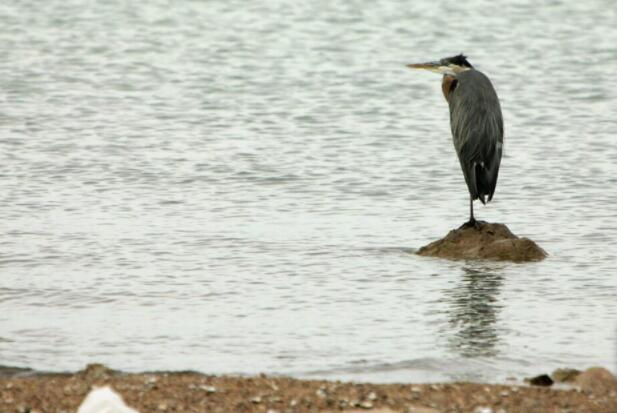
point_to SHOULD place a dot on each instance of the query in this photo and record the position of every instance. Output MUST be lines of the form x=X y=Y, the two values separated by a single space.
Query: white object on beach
x=104 y=400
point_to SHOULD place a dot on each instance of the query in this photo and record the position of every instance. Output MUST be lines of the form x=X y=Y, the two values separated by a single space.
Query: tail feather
x=485 y=181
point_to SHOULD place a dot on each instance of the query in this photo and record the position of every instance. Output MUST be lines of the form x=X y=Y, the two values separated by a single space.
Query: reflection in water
x=473 y=312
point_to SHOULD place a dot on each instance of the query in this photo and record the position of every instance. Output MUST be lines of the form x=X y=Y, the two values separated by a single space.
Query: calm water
x=237 y=187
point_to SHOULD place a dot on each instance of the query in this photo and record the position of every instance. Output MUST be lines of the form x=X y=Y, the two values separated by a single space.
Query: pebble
x=372 y=396
x=208 y=389
x=256 y=400
x=366 y=405
x=420 y=409
x=565 y=375
x=541 y=380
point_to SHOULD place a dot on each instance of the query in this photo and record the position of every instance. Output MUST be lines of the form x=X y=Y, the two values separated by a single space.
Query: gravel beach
x=195 y=392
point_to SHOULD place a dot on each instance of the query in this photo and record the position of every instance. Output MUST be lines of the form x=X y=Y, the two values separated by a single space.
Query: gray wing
x=477 y=131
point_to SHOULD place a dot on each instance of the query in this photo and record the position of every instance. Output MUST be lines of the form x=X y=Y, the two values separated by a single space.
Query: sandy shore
x=194 y=392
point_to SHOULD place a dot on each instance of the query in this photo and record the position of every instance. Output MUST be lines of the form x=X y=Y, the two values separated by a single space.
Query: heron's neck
x=460 y=69
x=448 y=85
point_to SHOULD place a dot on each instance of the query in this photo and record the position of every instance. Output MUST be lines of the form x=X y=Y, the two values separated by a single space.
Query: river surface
x=238 y=187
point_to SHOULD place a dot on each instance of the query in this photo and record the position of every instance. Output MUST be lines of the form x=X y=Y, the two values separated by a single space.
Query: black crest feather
x=459 y=60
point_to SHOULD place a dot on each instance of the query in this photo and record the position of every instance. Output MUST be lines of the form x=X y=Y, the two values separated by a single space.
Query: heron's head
x=446 y=66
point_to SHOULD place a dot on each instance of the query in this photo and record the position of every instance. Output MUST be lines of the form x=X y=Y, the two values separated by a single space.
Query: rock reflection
x=473 y=311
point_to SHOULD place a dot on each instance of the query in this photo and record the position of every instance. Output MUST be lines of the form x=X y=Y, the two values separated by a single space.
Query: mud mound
x=484 y=241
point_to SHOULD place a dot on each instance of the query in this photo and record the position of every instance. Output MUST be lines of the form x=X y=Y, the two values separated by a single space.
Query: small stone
x=321 y=393
x=541 y=380
x=420 y=409
x=208 y=389
x=162 y=406
x=96 y=371
x=480 y=409
x=366 y=405
x=416 y=389
x=293 y=403
x=565 y=375
x=372 y=396
x=504 y=394
x=256 y=400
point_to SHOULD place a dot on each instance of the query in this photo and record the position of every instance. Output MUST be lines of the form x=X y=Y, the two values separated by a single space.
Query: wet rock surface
x=484 y=241
x=194 y=392
x=541 y=380
x=565 y=375
x=597 y=380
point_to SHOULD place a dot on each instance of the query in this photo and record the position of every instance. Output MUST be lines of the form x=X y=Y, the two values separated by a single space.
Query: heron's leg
x=472 y=221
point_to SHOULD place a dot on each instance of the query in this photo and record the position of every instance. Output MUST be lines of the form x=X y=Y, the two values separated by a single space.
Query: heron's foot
x=472 y=223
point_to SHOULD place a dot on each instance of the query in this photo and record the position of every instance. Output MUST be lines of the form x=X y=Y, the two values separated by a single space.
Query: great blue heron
x=476 y=124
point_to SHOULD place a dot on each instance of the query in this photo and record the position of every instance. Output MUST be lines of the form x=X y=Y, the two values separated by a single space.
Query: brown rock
x=96 y=371
x=541 y=380
x=597 y=380
x=565 y=375
x=484 y=241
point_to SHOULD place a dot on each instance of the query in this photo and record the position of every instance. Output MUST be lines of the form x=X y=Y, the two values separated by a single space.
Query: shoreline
x=188 y=391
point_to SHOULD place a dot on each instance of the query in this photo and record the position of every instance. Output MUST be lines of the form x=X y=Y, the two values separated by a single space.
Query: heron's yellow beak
x=435 y=67
x=428 y=65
